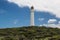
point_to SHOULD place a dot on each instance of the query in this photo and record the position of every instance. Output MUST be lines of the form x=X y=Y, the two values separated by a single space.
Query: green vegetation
x=30 y=33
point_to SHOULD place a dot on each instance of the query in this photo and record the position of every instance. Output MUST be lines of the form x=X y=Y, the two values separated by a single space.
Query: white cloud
x=40 y=25
x=41 y=5
x=41 y=19
x=51 y=21
x=59 y=22
x=15 y=22
x=52 y=25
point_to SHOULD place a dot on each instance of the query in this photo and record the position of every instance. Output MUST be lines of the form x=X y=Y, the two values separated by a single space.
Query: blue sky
x=11 y=15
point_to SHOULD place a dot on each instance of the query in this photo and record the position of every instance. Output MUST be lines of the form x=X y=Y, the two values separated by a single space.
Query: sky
x=16 y=13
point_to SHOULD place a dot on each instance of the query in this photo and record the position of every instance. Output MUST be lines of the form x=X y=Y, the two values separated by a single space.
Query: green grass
x=29 y=33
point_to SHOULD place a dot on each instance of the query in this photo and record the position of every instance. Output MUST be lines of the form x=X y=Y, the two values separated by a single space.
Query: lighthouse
x=32 y=16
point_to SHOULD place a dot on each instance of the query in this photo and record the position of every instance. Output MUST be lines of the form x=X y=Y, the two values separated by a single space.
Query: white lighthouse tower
x=32 y=16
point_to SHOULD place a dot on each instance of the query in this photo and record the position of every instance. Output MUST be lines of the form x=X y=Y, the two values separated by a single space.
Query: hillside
x=30 y=33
